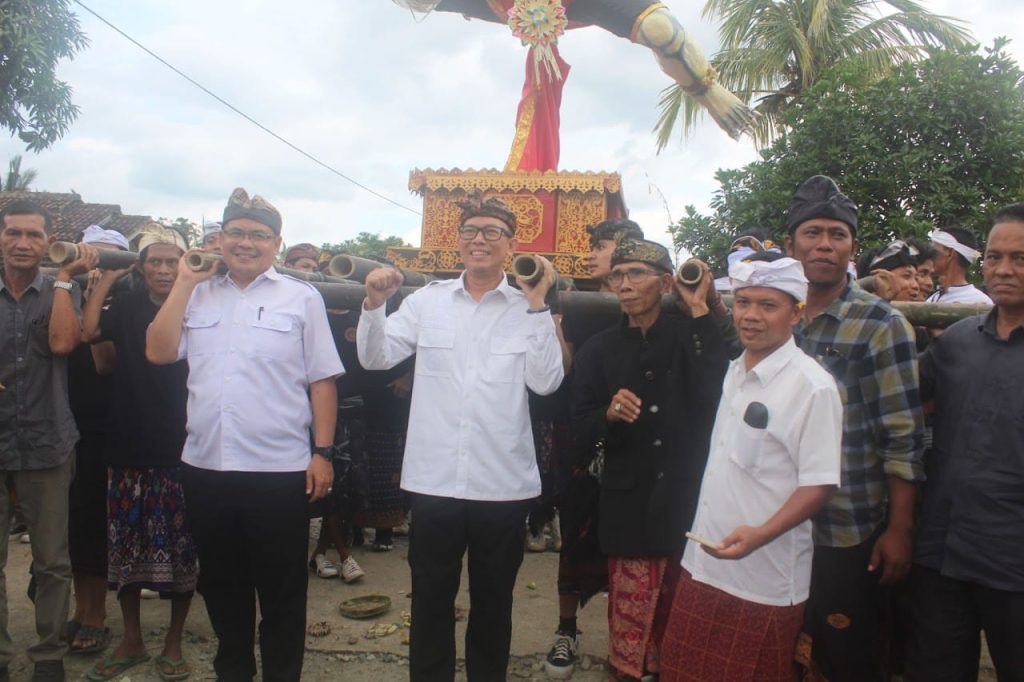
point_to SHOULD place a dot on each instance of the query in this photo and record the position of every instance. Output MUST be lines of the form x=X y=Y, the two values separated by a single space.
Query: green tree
x=34 y=36
x=937 y=142
x=192 y=232
x=18 y=180
x=367 y=244
x=774 y=50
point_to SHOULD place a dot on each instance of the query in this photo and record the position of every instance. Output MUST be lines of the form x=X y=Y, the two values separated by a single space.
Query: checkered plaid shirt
x=869 y=348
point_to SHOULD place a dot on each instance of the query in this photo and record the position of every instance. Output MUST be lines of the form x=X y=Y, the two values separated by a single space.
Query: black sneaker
x=561 y=660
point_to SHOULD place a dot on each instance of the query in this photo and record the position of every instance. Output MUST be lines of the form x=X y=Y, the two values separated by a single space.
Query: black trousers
x=252 y=531
x=87 y=507
x=442 y=531
x=949 y=616
x=845 y=614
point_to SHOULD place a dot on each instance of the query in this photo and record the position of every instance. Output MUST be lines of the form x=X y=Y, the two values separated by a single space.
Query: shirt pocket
x=434 y=351
x=39 y=337
x=203 y=333
x=506 y=361
x=747 y=447
x=273 y=335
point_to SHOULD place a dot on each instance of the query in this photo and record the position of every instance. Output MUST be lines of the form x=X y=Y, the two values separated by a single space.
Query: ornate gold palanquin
x=552 y=209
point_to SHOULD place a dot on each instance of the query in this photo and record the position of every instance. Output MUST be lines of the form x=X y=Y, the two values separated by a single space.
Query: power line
x=241 y=113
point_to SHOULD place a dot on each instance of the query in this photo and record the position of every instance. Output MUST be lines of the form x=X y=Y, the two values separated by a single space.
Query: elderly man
x=862 y=537
x=969 y=552
x=149 y=543
x=774 y=462
x=262 y=365
x=39 y=326
x=956 y=250
x=647 y=389
x=470 y=464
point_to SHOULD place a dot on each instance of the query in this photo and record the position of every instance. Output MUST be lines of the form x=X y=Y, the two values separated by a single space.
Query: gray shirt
x=37 y=430
x=972 y=521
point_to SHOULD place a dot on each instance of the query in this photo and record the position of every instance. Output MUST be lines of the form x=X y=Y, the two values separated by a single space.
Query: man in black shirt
x=969 y=551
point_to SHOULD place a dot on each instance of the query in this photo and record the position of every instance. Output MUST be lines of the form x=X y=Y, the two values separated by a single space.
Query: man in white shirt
x=774 y=462
x=956 y=250
x=469 y=458
x=262 y=365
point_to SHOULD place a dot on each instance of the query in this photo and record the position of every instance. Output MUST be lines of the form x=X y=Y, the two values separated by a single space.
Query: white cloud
x=371 y=92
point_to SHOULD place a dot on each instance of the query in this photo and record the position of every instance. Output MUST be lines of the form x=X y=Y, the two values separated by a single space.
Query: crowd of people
x=799 y=486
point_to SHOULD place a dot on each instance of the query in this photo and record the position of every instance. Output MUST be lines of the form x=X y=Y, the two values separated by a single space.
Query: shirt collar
x=769 y=367
x=270 y=273
x=36 y=283
x=507 y=290
x=988 y=326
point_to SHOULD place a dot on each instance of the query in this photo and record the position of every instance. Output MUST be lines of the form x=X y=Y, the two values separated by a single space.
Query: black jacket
x=653 y=467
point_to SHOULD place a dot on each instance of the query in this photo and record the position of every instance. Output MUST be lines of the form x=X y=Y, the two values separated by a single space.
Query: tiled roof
x=71 y=215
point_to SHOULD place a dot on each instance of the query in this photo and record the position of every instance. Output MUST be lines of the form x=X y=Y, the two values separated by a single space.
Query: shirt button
x=20 y=359
x=654 y=409
x=657 y=443
x=661 y=475
x=227 y=409
x=649 y=375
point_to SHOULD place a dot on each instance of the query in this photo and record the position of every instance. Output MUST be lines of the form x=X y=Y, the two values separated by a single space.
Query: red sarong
x=639 y=599
x=713 y=636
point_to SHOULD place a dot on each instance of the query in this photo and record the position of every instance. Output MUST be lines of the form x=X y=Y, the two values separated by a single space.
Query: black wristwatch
x=327 y=452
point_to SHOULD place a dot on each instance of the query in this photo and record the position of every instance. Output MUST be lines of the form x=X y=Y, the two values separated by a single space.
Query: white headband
x=949 y=241
x=784 y=274
x=94 y=234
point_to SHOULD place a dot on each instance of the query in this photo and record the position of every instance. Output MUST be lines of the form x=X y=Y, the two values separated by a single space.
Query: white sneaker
x=324 y=567
x=556 y=534
x=147 y=593
x=350 y=570
x=25 y=539
x=561 y=660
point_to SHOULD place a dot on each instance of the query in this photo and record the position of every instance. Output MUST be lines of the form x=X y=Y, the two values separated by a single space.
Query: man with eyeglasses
x=470 y=466
x=647 y=389
x=262 y=369
x=862 y=537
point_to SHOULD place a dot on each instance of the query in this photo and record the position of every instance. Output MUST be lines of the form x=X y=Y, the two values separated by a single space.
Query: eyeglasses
x=490 y=232
x=255 y=236
x=634 y=275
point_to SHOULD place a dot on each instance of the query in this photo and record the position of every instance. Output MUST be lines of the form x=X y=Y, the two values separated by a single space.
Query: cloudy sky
x=363 y=86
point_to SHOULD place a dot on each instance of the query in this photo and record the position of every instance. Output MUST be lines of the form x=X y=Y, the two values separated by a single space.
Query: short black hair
x=925 y=251
x=965 y=237
x=27 y=207
x=614 y=229
x=1014 y=213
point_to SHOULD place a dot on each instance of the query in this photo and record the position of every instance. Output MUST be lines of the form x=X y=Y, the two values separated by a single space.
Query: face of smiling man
x=485 y=257
x=249 y=248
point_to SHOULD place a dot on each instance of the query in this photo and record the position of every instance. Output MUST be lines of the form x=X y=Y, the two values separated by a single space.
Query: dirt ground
x=346 y=652
x=349 y=652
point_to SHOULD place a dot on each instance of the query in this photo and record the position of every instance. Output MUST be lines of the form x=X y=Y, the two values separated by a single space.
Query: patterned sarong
x=639 y=599
x=148 y=539
x=385 y=502
x=713 y=636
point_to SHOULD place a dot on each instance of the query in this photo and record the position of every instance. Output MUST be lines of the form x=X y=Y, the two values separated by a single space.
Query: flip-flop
x=70 y=629
x=115 y=666
x=165 y=667
x=99 y=637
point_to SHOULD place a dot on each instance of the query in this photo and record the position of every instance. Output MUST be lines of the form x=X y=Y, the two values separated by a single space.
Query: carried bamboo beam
x=63 y=253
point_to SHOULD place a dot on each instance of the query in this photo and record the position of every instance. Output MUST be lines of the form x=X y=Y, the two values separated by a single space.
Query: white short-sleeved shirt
x=469 y=424
x=752 y=472
x=252 y=354
x=964 y=293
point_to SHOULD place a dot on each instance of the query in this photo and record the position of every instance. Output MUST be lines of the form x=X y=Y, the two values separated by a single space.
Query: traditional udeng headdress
x=784 y=274
x=642 y=251
x=94 y=234
x=257 y=208
x=950 y=242
x=615 y=229
x=819 y=197
x=474 y=205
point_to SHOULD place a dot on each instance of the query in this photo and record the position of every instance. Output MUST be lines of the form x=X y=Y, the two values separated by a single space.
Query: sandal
x=170 y=670
x=100 y=639
x=114 y=667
